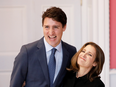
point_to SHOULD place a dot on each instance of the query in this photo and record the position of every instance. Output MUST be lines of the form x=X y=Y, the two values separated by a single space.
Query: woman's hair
x=99 y=59
x=56 y=14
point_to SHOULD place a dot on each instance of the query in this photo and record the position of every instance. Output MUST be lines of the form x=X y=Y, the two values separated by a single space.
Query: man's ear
x=64 y=28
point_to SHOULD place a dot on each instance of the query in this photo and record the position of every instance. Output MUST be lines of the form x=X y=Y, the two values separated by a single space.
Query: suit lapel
x=64 y=64
x=42 y=58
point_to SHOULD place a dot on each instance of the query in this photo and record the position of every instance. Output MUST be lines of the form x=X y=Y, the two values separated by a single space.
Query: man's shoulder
x=34 y=44
x=68 y=46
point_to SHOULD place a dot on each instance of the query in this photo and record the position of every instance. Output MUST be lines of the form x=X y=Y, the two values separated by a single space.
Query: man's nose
x=51 y=31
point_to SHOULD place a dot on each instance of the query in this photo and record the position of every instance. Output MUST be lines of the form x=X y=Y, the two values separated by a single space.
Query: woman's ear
x=94 y=64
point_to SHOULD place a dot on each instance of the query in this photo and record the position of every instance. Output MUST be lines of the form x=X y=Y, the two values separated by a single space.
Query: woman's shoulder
x=70 y=74
x=98 y=82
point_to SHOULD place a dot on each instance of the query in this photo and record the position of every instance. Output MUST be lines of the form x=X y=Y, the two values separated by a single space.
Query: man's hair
x=56 y=14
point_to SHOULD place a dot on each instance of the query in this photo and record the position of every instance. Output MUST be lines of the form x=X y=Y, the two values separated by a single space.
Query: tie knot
x=53 y=50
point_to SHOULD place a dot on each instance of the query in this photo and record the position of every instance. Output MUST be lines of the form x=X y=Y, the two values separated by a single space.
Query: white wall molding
x=13 y=34
x=12 y=25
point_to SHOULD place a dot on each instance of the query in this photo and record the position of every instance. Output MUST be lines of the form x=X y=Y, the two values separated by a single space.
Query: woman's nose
x=84 y=55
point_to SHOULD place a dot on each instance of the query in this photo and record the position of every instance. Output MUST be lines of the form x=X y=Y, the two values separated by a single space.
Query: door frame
x=95 y=27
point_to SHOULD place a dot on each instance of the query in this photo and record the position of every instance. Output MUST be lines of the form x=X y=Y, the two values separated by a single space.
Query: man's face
x=53 y=31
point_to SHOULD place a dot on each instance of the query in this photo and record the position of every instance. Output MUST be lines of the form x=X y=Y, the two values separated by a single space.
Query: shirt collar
x=49 y=47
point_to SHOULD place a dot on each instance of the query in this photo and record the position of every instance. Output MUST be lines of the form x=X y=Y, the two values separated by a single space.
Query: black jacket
x=71 y=81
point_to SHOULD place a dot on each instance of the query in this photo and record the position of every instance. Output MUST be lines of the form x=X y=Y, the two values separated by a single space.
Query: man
x=32 y=63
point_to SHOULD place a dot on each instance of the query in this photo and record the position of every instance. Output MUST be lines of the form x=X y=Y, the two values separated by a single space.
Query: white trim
x=98 y=30
x=112 y=71
x=95 y=20
x=84 y=21
x=106 y=30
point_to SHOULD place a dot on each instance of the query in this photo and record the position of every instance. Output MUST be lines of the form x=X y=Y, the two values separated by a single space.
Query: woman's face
x=86 y=57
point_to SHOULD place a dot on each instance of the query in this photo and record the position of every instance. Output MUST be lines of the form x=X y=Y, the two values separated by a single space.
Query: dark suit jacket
x=30 y=65
x=70 y=80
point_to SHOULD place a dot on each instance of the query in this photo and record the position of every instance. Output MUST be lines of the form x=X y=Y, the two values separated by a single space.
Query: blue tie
x=52 y=66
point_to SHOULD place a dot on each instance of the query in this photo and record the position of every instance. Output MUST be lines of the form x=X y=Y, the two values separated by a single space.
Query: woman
x=86 y=66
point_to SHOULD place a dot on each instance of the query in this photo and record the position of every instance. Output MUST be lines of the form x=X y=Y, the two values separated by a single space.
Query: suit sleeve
x=19 y=72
